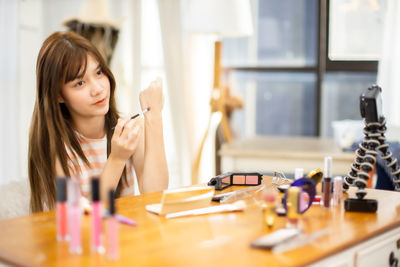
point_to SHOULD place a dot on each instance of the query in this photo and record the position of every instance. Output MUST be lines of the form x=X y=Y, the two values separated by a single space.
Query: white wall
x=24 y=24
x=9 y=92
x=29 y=41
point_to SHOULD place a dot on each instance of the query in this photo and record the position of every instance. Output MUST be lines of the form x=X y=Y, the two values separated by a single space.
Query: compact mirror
x=307 y=194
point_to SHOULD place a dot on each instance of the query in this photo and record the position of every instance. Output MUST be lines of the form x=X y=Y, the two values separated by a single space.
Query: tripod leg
x=387 y=156
x=366 y=164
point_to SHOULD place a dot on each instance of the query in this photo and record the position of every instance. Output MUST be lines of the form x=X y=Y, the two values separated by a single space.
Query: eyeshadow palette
x=227 y=179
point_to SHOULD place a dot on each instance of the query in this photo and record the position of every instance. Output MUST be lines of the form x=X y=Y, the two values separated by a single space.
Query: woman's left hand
x=152 y=97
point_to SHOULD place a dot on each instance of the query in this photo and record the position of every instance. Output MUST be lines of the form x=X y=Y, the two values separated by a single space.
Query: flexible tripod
x=367 y=152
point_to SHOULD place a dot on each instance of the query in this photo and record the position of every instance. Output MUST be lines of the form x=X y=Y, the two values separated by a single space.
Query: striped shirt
x=95 y=151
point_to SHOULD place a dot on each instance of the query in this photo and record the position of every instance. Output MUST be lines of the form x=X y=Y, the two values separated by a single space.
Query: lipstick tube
x=112 y=229
x=293 y=201
x=74 y=216
x=97 y=244
x=61 y=209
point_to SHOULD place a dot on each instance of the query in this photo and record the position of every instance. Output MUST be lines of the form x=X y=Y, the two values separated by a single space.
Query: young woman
x=72 y=130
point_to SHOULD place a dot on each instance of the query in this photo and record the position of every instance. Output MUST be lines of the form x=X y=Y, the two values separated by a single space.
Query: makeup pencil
x=136 y=115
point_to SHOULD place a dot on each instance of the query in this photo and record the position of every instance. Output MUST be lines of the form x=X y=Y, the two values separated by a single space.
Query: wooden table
x=271 y=153
x=207 y=240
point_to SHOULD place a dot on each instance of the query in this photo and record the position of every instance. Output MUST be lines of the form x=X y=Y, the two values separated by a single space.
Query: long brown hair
x=62 y=58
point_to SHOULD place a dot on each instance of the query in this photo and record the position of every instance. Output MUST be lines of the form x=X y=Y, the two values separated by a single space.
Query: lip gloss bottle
x=61 y=209
x=327 y=186
x=75 y=216
x=97 y=245
x=337 y=190
x=112 y=229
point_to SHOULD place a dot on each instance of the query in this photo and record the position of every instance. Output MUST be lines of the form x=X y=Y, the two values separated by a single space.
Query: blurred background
x=288 y=68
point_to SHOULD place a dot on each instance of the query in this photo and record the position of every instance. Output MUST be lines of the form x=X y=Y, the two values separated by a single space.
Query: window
x=305 y=66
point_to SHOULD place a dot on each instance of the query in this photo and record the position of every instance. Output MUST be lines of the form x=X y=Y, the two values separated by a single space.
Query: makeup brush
x=136 y=115
x=236 y=206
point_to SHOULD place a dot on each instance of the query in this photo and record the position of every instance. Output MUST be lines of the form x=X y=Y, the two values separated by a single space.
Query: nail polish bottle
x=112 y=229
x=61 y=209
x=96 y=216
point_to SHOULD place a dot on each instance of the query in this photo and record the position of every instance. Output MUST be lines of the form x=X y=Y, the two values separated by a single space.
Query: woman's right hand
x=126 y=138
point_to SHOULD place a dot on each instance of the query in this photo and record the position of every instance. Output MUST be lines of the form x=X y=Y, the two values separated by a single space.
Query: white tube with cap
x=328 y=167
x=298 y=173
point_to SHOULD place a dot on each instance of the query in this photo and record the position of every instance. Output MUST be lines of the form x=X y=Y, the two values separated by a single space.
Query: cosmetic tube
x=337 y=190
x=61 y=209
x=298 y=173
x=74 y=216
x=112 y=229
x=96 y=217
x=327 y=185
x=293 y=212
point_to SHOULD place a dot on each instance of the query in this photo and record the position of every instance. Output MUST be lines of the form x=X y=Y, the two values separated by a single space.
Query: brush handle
x=135 y=116
x=125 y=220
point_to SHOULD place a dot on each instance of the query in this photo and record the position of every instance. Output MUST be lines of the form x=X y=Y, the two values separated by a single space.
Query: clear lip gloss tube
x=327 y=186
x=75 y=216
x=112 y=229
x=61 y=209
x=96 y=216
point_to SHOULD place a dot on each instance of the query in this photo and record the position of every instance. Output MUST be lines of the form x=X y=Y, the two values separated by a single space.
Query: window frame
x=344 y=65
x=323 y=63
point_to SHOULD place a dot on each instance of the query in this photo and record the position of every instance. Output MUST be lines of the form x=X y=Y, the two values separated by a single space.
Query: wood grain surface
x=207 y=240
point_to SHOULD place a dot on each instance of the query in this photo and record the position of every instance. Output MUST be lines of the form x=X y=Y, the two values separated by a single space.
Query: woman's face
x=89 y=96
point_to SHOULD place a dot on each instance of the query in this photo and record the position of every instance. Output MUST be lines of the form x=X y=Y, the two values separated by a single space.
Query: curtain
x=188 y=62
x=389 y=64
x=171 y=32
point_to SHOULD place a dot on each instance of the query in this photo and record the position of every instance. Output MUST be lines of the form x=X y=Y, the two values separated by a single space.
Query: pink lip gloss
x=112 y=230
x=61 y=209
x=96 y=217
x=337 y=190
x=75 y=216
